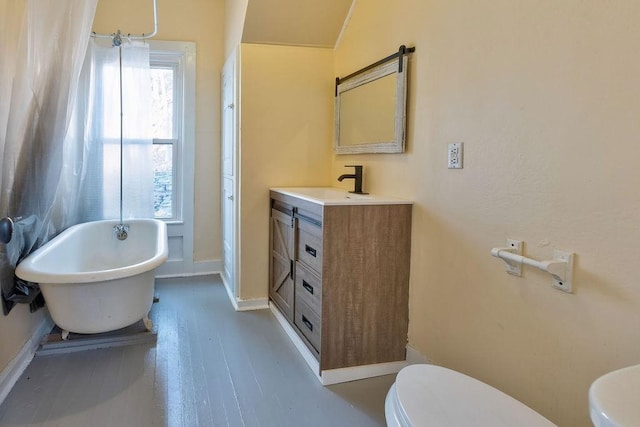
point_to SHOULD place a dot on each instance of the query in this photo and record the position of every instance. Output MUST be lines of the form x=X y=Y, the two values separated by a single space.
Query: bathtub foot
x=65 y=335
x=148 y=324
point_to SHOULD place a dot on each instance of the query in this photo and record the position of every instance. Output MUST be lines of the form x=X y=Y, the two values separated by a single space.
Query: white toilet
x=428 y=395
x=613 y=398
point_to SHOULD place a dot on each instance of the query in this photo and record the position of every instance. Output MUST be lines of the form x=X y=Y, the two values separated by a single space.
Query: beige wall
x=234 y=12
x=286 y=124
x=16 y=329
x=202 y=22
x=545 y=96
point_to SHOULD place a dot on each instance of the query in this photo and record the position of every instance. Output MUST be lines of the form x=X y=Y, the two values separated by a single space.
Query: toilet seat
x=431 y=395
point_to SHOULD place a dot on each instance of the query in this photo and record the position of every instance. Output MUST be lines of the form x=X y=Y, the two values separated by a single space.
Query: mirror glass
x=370 y=111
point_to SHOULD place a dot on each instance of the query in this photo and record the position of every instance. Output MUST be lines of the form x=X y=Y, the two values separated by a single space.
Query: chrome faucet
x=356 y=176
x=121 y=231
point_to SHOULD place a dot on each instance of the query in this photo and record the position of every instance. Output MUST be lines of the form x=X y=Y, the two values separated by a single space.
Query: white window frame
x=165 y=61
x=180 y=228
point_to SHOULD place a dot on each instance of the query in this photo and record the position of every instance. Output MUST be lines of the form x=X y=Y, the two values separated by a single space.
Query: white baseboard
x=171 y=268
x=244 y=304
x=12 y=372
x=177 y=269
x=343 y=375
x=252 y=304
x=230 y=292
x=334 y=376
x=203 y=268
x=306 y=354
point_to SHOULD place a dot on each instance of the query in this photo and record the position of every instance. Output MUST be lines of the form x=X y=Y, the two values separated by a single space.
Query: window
x=173 y=74
x=165 y=141
x=167 y=77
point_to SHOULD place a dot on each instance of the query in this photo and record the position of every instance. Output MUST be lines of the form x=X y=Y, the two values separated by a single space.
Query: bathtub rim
x=25 y=270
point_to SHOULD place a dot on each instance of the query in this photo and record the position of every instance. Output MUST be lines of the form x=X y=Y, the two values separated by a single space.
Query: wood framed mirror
x=370 y=107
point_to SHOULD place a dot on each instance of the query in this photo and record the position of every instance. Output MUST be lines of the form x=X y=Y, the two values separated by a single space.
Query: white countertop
x=329 y=196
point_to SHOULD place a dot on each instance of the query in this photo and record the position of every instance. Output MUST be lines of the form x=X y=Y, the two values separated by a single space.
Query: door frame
x=231 y=68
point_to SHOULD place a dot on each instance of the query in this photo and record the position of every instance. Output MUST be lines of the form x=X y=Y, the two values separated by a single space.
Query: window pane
x=162 y=102
x=163 y=180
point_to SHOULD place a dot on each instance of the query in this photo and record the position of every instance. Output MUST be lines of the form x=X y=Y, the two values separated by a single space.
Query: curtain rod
x=129 y=36
x=403 y=50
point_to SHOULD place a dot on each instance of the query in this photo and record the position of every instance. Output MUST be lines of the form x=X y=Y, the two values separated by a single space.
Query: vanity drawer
x=310 y=245
x=308 y=323
x=308 y=288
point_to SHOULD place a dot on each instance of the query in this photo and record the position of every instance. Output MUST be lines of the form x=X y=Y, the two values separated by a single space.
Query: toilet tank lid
x=447 y=397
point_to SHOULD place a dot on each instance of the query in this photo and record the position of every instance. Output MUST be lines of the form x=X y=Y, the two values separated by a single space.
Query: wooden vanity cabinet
x=343 y=280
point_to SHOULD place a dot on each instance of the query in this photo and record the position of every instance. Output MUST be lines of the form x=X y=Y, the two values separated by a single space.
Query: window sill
x=171 y=221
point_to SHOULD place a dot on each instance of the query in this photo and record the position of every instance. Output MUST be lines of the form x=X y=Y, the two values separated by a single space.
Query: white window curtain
x=94 y=137
x=60 y=128
x=42 y=48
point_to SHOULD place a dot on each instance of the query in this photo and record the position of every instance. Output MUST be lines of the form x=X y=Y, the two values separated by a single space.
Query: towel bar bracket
x=563 y=282
x=514 y=247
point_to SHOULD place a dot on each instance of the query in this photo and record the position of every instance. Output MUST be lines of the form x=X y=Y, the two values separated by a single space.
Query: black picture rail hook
x=6 y=230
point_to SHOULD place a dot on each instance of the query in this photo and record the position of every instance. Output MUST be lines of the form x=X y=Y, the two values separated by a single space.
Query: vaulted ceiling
x=295 y=22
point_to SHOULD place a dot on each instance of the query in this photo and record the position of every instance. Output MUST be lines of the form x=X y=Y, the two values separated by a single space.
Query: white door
x=229 y=183
x=228 y=118
x=228 y=235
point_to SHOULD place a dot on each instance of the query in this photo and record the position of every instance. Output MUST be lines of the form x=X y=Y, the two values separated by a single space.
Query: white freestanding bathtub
x=93 y=282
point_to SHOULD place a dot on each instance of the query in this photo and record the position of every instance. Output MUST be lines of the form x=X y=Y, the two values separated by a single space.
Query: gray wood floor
x=211 y=366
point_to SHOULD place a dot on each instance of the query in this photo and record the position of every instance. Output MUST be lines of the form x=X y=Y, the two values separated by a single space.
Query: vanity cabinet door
x=282 y=262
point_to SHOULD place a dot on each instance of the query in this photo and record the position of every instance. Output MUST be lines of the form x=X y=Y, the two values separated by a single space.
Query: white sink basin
x=613 y=398
x=336 y=196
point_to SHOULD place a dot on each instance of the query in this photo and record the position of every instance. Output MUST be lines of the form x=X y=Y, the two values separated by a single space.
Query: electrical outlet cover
x=454 y=155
